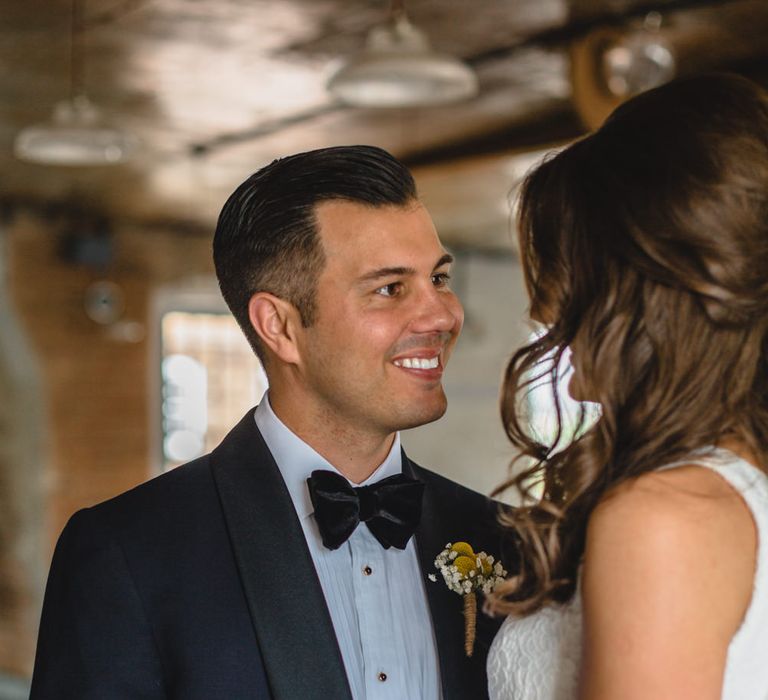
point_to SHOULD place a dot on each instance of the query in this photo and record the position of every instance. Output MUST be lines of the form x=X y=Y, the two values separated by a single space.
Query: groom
x=263 y=570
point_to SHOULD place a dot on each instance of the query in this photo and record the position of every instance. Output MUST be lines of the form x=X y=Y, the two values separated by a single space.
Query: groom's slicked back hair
x=267 y=238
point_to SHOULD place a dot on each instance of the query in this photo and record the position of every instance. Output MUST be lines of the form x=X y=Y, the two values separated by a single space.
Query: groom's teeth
x=417 y=363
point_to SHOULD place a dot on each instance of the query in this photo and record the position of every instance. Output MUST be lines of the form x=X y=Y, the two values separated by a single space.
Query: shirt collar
x=297 y=460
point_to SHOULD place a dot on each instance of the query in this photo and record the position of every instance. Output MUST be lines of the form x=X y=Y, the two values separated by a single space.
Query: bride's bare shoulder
x=668 y=570
x=669 y=517
x=690 y=500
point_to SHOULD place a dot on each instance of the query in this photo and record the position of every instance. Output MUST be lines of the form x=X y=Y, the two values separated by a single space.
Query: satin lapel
x=285 y=599
x=446 y=607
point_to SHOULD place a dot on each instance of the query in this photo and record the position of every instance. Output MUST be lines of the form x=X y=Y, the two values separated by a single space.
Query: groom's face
x=386 y=319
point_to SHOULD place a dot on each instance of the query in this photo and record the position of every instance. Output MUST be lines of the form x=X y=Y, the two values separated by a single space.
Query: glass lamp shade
x=399 y=69
x=638 y=63
x=76 y=135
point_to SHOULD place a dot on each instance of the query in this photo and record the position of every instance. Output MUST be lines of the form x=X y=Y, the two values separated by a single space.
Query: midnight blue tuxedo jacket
x=198 y=585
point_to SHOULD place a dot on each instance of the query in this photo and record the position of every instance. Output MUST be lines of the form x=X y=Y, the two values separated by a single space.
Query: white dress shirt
x=376 y=596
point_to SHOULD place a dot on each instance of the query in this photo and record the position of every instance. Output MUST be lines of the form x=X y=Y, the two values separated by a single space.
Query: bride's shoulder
x=678 y=534
x=688 y=500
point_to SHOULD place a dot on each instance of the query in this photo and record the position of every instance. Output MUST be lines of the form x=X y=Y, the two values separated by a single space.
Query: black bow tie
x=391 y=508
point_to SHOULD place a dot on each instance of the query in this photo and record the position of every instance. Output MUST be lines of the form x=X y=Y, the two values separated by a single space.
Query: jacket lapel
x=457 y=673
x=286 y=602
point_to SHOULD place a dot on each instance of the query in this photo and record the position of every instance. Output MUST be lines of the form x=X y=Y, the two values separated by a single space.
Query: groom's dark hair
x=266 y=238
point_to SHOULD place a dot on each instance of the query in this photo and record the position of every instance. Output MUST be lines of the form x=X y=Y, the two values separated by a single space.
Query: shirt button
x=367 y=570
x=382 y=676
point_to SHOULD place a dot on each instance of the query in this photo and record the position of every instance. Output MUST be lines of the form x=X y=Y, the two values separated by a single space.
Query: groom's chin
x=415 y=415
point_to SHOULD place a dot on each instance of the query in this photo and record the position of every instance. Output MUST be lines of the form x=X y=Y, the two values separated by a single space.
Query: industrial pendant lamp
x=399 y=68
x=639 y=60
x=76 y=133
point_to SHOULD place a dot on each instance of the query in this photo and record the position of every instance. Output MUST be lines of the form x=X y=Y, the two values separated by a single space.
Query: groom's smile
x=417 y=363
x=424 y=362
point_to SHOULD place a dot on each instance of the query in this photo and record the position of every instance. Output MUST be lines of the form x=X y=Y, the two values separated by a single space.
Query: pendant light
x=77 y=133
x=399 y=68
x=639 y=60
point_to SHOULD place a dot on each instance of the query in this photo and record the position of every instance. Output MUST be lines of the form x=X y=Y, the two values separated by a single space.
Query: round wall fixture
x=104 y=302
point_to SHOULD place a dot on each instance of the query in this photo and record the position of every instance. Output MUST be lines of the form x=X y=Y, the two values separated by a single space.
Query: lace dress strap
x=746 y=674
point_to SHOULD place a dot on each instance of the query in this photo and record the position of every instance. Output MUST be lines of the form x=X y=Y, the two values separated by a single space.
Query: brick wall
x=94 y=383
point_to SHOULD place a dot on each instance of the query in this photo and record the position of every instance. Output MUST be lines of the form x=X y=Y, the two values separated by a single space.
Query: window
x=542 y=414
x=209 y=376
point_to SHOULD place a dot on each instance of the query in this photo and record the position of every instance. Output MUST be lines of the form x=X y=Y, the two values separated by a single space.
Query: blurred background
x=125 y=124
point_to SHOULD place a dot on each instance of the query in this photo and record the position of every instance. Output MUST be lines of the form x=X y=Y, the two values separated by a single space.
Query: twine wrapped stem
x=470 y=622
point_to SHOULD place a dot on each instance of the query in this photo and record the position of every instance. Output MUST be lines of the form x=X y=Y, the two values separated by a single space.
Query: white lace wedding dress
x=538 y=657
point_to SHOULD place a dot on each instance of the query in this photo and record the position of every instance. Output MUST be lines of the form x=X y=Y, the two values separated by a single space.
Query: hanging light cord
x=76 y=51
x=397 y=9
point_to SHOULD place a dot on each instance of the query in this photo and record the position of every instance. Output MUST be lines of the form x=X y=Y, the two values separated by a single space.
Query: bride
x=644 y=540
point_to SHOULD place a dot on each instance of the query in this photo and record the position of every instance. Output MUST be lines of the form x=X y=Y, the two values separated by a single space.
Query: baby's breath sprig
x=465 y=572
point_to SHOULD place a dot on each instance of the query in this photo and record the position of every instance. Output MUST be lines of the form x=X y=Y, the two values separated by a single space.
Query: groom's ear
x=277 y=322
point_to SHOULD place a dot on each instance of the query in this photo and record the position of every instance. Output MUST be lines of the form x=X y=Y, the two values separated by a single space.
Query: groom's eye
x=441 y=279
x=389 y=290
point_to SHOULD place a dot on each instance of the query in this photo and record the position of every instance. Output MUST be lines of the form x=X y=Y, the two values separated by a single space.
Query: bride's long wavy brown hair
x=645 y=250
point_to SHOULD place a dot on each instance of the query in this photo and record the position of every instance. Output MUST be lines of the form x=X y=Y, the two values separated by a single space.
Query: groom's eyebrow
x=447 y=259
x=382 y=272
x=386 y=272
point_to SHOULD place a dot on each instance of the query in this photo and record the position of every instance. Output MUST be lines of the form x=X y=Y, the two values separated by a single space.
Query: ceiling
x=214 y=89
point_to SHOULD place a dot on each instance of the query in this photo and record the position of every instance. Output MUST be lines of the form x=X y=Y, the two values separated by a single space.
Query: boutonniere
x=465 y=572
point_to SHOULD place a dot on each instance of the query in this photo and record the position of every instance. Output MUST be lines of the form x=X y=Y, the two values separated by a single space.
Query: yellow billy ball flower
x=465 y=564
x=463 y=548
